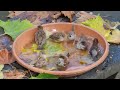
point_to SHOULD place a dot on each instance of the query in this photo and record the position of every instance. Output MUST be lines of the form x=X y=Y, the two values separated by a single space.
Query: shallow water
x=52 y=50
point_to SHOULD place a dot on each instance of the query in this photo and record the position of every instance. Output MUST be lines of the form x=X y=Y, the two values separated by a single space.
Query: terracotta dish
x=28 y=36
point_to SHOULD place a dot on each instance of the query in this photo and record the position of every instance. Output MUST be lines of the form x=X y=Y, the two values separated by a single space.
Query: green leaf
x=33 y=77
x=16 y=27
x=52 y=48
x=45 y=76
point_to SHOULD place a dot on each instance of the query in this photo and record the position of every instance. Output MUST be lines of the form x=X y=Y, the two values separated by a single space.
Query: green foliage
x=16 y=27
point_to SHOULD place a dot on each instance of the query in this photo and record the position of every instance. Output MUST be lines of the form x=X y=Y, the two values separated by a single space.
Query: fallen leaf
x=14 y=74
x=108 y=25
x=6 y=56
x=69 y=14
x=42 y=17
x=11 y=14
x=98 y=25
x=16 y=27
x=14 y=13
x=33 y=16
x=33 y=77
x=83 y=16
x=18 y=12
x=55 y=14
x=5 y=41
x=1 y=66
x=115 y=37
x=45 y=76
x=1 y=73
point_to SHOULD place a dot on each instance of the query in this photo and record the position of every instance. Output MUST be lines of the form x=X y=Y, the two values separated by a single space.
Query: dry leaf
x=33 y=16
x=55 y=14
x=115 y=37
x=83 y=16
x=25 y=15
x=42 y=14
x=46 y=17
x=98 y=24
x=6 y=57
x=11 y=14
x=14 y=13
x=14 y=74
x=18 y=12
x=69 y=14
x=1 y=73
x=41 y=17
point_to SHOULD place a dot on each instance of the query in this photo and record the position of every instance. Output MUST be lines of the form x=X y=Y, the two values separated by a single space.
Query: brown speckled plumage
x=40 y=37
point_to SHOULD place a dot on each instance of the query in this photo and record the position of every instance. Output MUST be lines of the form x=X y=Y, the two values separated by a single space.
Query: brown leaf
x=55 y=14
x=42 y=14
x=41 y=17
x=11 y=14
x=83 y=16
x=14 y=13
x=46 y=15
x=69 y=14
x=6 y=56
x=18 y=12
x=14 y=74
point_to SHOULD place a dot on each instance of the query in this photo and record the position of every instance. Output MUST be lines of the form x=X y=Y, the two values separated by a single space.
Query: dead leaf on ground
x=18 y=12
x=69 y=14
x=6 y=56
x=115 y=37
x=14 y=74
x=14 y=13
x=40 y=17
x=11 y=14
x=55 y=14
x=1 y=73
x=83 y=16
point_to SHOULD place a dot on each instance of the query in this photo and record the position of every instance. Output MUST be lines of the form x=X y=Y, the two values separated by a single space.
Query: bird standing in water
x=94 y=49
x=57 y=37
x=40 y=37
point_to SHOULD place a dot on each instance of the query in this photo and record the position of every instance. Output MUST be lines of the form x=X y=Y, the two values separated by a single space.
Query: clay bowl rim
x=63 y=73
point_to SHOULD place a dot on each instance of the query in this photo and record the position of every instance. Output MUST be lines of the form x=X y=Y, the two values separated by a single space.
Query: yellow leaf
x=1 y=75
x=115 y=37
x=97 y=24
x=1 y=67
